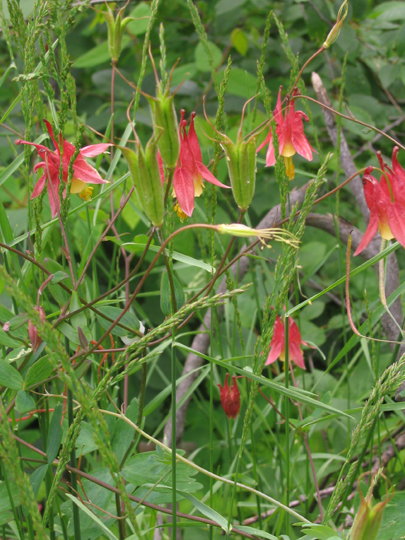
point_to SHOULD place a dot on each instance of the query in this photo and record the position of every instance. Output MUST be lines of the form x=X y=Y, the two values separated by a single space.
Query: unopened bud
x=166 y=126
x=279 y=235
x=368 y=519
x=116 y=29
x=144 y=169
x=230 y=398
x=334 y=33
x=33 y=331
x=241 y=162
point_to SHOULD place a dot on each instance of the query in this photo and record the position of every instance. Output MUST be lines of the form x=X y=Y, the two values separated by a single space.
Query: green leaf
x=189 y=261
x=37 y=477
x=142 y=13
x=54 y=434
x=207 y=511
x=240 y=83
x=389 y=11
x=401 y=41
x=240 y=41
x=38 y=373
x=113 y=313
x=24 y=402
x=322 y=532
x=165 y=293
x=84 y=508
x=5 y=503
x=10 y=377
x=80 y=318
x=59 y=276
x=201 y=57
x=223 y=6
x=393 y=522
x=18 y=321
x=98 y=55
x=8 y=341
x=256 y=532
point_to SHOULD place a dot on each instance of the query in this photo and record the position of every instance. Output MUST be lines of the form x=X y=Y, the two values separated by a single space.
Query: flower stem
x=381 y=285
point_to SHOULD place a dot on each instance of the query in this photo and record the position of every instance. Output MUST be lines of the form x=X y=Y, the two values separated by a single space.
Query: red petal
x=398 y=170
x=40 y=147
x=187 y=157
x=267 y=140
x=369 y=234
x=94 y=149
x=50 y=131
x=299 y=140
x=294 y=345
x=184 y=189
x=396 y=221
x=53 y=195
x=277 y=342
x=207 y=175
x=193 y=140
x=86 y=173
x=39 y=187
x=277 y=113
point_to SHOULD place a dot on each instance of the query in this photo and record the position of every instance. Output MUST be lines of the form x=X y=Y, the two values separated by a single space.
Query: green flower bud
x=166 y=126
x=241 y=161
x=116 y=29
x=368 y=520
x=144 y=169
x=334 y=33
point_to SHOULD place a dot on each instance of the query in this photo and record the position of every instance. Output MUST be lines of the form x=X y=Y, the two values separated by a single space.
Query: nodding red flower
x=277 y=345
x=291 y=136
x=190 y=171
x=230 y=397
x=32 y=330
x=386 y=201
x=83 y=173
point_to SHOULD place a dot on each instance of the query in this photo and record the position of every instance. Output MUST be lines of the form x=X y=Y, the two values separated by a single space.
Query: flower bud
x=116 y=29
x=33 y=332
x=334 y=33
x=166 y=126
x=241 y=161
x=279 y=235
x=144 y=169
x=230 y=398
x=368 y=519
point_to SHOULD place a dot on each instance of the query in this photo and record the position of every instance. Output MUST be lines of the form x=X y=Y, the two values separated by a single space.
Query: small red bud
x=230 y=398
x=33 y=332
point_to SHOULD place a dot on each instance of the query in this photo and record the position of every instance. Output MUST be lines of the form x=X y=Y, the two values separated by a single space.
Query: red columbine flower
x=33 y=332
x=291 y=136
x=277 y=345
x=83 y=173
x=190 y=171
x=386 y=201
x=230 y=398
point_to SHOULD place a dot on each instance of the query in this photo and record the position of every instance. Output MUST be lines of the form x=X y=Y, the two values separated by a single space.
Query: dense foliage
x=124 y=289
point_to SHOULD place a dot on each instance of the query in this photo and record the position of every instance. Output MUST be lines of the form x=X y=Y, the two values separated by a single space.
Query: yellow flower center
x=77 y=186
x=289 y=167
x=288 y=150
x=86 y=193
x=198 y=186
x=386 y=231
x=180 y=213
